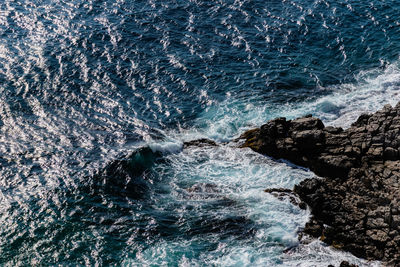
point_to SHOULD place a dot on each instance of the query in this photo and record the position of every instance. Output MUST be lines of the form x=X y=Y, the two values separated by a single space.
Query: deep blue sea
x=97 y=98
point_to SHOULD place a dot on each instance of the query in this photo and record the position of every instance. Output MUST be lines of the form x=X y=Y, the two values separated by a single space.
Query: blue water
x=97 y=98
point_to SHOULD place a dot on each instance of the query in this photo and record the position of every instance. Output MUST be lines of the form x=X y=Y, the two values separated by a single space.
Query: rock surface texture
x=356 y=205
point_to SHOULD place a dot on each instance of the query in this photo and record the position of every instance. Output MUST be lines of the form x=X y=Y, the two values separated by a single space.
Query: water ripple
x=83 y=83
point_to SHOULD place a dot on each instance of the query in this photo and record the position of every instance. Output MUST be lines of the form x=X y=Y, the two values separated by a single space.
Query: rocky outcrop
x=344 y=264
x=199 y=143
x=355 y=205
x=284 y=193
x=128 y=176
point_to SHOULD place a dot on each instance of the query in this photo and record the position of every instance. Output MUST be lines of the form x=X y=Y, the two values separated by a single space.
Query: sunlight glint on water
x=83 y=83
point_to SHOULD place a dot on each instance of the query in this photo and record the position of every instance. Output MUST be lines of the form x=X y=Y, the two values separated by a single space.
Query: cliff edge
x=355 y=206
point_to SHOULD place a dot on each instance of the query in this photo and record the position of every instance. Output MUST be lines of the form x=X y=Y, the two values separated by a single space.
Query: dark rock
x=390 y=153
x=200 y=143
x=278 y=190
x=127 y=177
x=314 y=228
x=333 y=130
x=285 y=193
x=355 y=204
x=347 y=264
x=362 y=120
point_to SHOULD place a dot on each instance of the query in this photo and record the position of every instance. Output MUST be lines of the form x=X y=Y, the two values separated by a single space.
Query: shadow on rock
x=128 y=177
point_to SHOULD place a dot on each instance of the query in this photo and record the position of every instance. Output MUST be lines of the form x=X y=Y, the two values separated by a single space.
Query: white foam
x=346 y=102
x=166 y=147
x=241 y=175
x=316 y=252
x=371 y=90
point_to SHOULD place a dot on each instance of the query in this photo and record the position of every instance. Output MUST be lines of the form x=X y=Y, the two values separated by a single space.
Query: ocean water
x=97 y=98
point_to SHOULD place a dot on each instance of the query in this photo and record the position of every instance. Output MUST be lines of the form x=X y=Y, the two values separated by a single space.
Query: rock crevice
x=355 y=206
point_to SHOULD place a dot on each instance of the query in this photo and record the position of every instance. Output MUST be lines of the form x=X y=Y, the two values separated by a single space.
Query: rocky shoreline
x=355 y=205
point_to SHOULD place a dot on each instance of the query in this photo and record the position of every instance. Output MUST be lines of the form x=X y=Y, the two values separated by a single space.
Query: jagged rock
x=344 y=264
x=285 y=193
x=314 y=228
x=355 y=205
x=200 y=143
x=347 y=264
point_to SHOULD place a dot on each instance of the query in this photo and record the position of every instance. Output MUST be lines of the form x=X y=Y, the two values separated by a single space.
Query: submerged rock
x=204 y=191
x=235 y=225
x=127 y=177
x=203 y=188
x=355 y=206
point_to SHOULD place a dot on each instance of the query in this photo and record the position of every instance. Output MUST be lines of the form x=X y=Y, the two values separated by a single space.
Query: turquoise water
x=97 y=98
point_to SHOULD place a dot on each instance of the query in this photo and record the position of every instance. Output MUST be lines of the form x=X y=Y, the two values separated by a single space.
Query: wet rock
x=344 y=264
x=203 y=191
x=314 y=228
x=200 y=143
x=355 y=204
x=203 y=188
x=279 y=190
x=127 y=177
x=347 y=264
x=285 y=193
